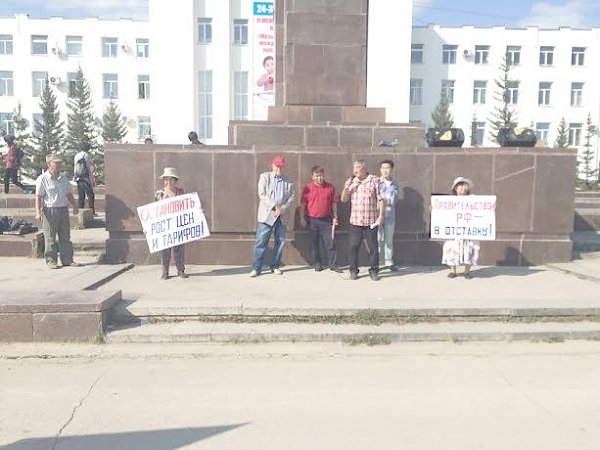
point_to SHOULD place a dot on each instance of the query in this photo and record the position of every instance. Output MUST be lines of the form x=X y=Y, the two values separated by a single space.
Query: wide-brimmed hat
x=279 y=161
x=459 y=180
x=171 y=172
x=53 y=157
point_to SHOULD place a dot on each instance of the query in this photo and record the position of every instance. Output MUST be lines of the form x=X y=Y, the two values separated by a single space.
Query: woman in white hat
x=170 y=177
x=461 y=251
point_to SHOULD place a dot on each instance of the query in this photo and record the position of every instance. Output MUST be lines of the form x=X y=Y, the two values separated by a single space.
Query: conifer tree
x=562 y=135
x=48 y=134
x=113 y=124
x=441 y=115
x=81 y=125
x=23 y=141
x=588 y=174
x=503 y=116
x=474 y=131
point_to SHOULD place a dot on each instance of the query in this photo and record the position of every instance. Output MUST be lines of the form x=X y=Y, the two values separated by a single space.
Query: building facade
x=553 y=75
x=207 y=70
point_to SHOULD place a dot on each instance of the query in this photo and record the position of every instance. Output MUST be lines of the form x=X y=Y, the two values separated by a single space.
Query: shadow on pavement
x=136 y=440
x=499 y=271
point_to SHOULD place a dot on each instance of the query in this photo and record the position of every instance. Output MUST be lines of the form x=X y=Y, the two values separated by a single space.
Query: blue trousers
x=263 y=234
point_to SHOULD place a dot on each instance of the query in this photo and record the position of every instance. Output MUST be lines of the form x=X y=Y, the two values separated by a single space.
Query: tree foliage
x=503 y=115
x=441 y=115
x=474 y=131
x=588 y=173
x=48 y=134
x=23 y=140
x=562 y=135
x=81 y=125
x=113 y=124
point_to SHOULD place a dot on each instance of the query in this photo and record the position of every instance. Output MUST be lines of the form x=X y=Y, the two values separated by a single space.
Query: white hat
x=459 y=180
x=171 y=172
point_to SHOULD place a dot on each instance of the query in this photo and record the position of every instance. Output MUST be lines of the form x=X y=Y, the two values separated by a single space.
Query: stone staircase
x=586 y=235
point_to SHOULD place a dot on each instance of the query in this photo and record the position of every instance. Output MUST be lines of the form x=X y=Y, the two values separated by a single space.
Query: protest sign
x=463 y=217
x=173 y=221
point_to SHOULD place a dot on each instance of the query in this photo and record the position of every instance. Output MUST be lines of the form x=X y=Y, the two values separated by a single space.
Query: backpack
x=81 y=169
x=19 y=154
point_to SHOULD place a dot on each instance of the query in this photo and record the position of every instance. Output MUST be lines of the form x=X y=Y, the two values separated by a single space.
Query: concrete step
x=587 y=219
x=84 y=217
x=21 y=200
x=30 y=245
x=351 y=334
x=586 y=241
x=587 y=194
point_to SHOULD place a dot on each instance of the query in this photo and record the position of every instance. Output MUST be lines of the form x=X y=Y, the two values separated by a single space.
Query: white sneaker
x=277 y=271
x=253 y=274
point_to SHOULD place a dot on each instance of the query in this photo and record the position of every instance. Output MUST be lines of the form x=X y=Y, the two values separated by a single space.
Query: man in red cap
x=276 y=195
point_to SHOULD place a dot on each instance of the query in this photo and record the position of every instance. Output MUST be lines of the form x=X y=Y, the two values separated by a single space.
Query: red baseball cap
x=279 y=161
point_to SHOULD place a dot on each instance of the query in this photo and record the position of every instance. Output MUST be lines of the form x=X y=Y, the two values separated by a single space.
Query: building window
x=71 y=77
x=143 y=87
x=544 y=93
x=205 y=104
x=417 y=53
x=479 y=89
x=144 y=128
x=240 y=96
x=482 y=52
x=577 y=56
x=7 y=87
x=576 y=94
x=110 y=84
x=575 y=130
x=512 y=90
x=6 y=44
x=204 y=30
x=448 y=89
x=240 y=31
x=7 y=126
x=542 y=130
x=142 y=47
x=74 y=45
x=38 y=81
x=39 y=44
x=546 y=56
x=513 y=55
x=479 y=133
x=449 y=54
x=109 y=47
x=416 y=91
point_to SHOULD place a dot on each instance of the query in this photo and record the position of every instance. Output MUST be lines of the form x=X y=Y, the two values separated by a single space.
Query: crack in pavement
x=74 y=411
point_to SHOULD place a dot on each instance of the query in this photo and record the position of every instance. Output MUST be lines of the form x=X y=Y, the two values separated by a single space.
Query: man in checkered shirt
x=366 y=215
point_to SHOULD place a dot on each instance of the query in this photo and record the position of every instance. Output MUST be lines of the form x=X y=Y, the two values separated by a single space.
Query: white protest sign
x=463 y=217
x=173 y=221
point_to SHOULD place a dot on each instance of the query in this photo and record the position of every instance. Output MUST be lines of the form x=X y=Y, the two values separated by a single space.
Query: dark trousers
x=179 y=251
x=11 y=175
x=84 y=187
x=356 y=235
x=320 y=229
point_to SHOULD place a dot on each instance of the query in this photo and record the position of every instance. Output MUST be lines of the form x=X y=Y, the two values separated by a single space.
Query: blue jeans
x=386 y=240
x=263 y=234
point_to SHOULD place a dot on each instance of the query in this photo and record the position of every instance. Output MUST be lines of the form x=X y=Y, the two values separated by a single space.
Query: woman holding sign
x=461 y=251
x=170 y=177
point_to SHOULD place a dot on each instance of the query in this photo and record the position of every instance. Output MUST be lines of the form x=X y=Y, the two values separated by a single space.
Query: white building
x=194 y=65
x=554 y=74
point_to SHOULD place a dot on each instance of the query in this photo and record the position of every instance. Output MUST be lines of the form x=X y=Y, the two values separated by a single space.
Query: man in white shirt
x=52 y=197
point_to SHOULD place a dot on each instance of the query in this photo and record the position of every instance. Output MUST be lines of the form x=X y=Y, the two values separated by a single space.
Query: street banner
x=470 y=217
x=263 y=57
x=173 y=221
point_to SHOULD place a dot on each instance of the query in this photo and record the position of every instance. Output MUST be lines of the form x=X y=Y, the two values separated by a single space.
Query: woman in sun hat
x=170 y=177
x=461 y=252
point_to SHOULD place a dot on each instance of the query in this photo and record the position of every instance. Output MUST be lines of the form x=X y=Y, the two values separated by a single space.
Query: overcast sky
x=513 y=13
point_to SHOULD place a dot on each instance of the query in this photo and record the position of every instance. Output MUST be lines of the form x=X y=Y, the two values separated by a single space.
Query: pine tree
x=48 y=134
x=113 y=124
x=82 y=124
x=562 y=135
x=474 y=131
x=23 y=141
x=588 y=174
x=503 y=116
x=441 y=115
